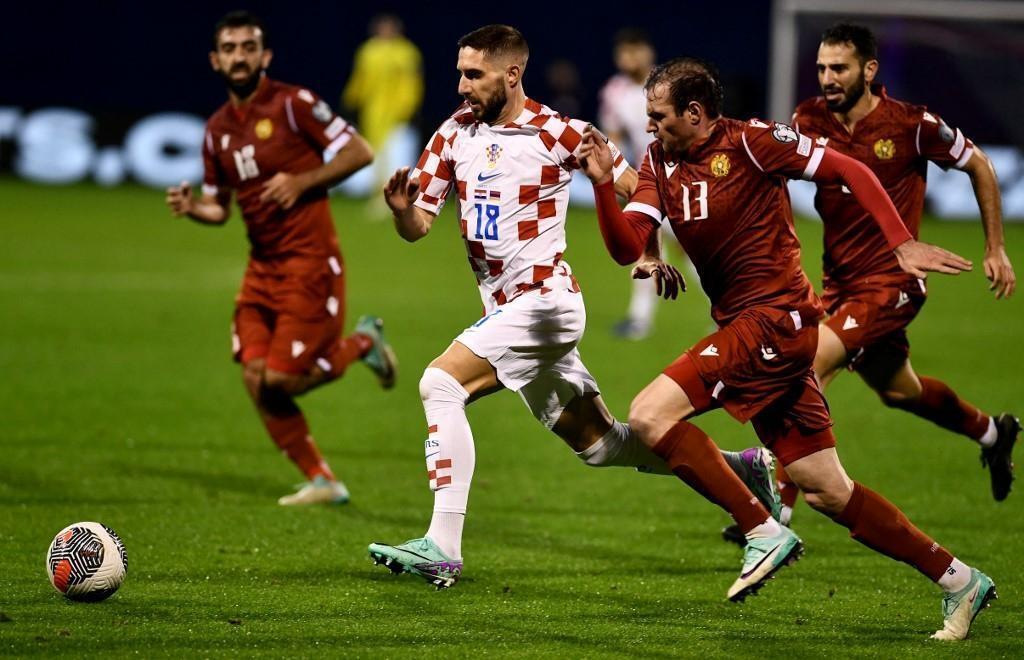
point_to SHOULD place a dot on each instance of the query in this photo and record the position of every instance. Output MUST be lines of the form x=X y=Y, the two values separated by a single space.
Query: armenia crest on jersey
x=264 y=128
x=885 y=149
x=493 y=153
x=720 y=165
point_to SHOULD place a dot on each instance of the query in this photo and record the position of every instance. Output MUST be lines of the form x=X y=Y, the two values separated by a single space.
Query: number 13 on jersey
x=487 y=221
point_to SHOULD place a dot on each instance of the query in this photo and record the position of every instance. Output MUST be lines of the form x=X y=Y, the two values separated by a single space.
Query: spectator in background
x=564 y=88
x=622 y=116
x=386 y=88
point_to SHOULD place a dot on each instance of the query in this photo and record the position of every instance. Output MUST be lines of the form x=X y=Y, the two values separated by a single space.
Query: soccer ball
x=87 y=561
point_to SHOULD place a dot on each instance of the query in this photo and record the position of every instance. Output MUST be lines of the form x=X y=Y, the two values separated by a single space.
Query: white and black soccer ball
x=87 y=561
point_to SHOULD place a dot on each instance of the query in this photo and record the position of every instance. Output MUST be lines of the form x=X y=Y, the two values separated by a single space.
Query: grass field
x=119 y=403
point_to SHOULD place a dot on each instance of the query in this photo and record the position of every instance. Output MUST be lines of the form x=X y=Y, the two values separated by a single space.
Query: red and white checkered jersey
x=513 y=190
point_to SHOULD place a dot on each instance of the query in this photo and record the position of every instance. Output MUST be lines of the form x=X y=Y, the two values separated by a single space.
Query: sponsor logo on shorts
x=297 y=348
x=768 y=353
x=710 y=351
x=903 y=299
x=850 y=323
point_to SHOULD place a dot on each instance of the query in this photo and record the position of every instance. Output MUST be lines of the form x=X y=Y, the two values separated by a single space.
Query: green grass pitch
x=119 y=403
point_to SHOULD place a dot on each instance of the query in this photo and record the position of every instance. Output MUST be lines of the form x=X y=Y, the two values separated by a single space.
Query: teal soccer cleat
x=420 y=557
x=959 y=609
x=381 y=358
x=762 y=557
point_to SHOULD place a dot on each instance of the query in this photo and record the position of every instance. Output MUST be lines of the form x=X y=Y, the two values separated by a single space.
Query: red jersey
x=282 y=128
x=728 y=205
x=896 y=140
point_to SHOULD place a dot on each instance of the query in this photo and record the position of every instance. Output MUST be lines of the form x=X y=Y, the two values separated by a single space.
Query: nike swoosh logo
x=481 y=177
x=434 y=454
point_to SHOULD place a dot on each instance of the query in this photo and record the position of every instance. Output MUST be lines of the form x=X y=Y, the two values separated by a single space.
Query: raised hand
x=400 y=192
x=596 y=156
x=919 y=258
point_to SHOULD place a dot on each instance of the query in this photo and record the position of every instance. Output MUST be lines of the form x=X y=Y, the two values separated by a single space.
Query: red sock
x=346 y=351
x=291 y=434
x=878 y=524
x=695 y=459
x=788 y=491
x=939 y=404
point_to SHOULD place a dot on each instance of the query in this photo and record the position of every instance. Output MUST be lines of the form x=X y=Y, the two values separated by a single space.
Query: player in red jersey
x=870 y=300
x=266 y=143
x=721 y=184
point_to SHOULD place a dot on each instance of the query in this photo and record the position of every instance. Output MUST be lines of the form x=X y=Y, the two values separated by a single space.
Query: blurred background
x=113 y=92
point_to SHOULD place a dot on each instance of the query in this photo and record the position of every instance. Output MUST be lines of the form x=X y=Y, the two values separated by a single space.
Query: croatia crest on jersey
x=493 y=153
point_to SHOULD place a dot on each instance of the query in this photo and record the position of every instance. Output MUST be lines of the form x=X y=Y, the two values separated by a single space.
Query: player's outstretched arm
x=998 y=268
x=286 y=188
x=411 y=222
x=914 y=257
x=207 y=210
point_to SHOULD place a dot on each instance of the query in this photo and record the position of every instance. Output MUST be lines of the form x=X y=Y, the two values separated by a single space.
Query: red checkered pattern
x=512 y=186
x=441 y=475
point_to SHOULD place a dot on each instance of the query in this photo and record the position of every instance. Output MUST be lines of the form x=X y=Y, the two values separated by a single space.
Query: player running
x=870 y=300
x=510 y=160
x=266 y=143
x=721 y=184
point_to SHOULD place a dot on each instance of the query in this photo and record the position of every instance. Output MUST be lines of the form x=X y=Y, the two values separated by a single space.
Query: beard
x=491 y=108
x=850 y=97
x=243 y=89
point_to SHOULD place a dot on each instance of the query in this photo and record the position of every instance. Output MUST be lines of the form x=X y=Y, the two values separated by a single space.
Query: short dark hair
x=690 y=79
x=497 y=40
x=239 y=18
x=858 y=36
x=631 y=36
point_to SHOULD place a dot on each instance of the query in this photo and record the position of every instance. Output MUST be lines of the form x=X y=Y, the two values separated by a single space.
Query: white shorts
x=531 y=343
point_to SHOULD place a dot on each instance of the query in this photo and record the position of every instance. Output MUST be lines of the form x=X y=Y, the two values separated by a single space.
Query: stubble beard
x=854 y=94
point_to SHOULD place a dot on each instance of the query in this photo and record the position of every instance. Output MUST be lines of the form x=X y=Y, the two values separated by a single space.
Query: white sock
x=991 y=434
x=621 y=446
x=956 y=577
x=450 y=455
x=643 y=303
x=786 y=515
x=446 y=531
x=767 y=529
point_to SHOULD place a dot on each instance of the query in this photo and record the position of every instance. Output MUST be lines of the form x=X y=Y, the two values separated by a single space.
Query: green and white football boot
x=960 y=608
x=756 y=467
x=420 y=557
x=381 y=358
x=762 y=558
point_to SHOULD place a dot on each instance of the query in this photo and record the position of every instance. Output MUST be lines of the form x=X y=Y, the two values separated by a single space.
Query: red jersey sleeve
x=777 y=148
x=645 y=199
x=313 y=118
x=214 y=181
x=942 y=144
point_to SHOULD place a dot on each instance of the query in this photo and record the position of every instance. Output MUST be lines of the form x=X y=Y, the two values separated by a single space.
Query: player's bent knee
x=830 y=502
x=896 y=398
x=280 y=380
x=646 y=422
x=252 y=375
x=437 y=385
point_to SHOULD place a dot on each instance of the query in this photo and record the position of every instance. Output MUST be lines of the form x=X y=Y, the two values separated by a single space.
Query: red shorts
x=871 y=320
x=759 y=368
x=290 y=313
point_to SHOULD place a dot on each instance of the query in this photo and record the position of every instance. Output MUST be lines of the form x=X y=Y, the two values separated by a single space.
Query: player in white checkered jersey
x=510 y=159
